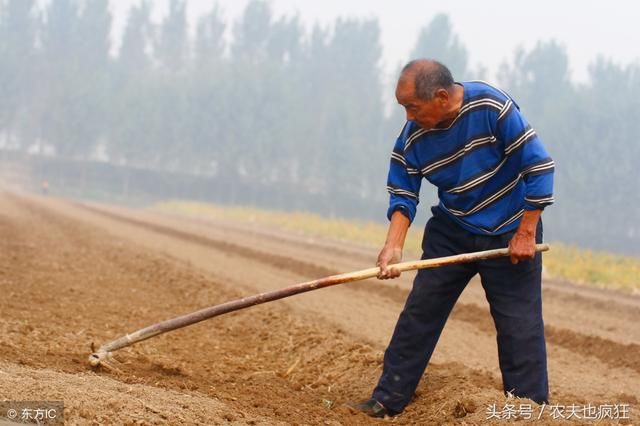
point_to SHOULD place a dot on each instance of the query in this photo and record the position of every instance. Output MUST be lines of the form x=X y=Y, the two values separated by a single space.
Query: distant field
x=581 y=266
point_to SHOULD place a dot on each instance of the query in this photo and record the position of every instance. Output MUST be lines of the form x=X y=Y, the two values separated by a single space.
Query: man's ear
x=442 y=95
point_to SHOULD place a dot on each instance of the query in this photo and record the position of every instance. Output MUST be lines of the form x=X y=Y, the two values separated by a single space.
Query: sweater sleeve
x=403 y=182
x=523 y=144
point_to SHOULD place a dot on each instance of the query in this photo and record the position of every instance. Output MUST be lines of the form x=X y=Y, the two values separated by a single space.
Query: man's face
x=426 y=114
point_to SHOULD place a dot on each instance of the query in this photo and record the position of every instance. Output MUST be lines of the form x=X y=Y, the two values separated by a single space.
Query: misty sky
x=490 y=29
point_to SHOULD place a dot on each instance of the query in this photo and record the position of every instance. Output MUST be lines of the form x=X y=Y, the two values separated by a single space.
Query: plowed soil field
x=73 y=275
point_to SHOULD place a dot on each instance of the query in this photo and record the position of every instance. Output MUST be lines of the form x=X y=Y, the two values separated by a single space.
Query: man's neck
x=455 y=103
x=456 y=99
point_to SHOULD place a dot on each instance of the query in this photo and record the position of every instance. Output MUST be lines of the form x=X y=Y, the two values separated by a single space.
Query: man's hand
x=388 y=256
x=392 y=251
x=523 y=244
x=522 y=247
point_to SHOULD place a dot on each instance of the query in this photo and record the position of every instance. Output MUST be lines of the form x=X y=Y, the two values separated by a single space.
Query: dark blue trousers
x=513 y=293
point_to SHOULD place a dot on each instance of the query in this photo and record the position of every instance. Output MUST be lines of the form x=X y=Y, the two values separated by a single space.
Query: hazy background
x=287 y=104
x=491 y=29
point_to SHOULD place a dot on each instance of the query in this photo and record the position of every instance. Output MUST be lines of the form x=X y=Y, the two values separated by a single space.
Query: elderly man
x=494 y=178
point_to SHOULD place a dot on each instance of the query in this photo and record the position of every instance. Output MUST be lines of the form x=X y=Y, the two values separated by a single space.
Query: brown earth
x=73 y=275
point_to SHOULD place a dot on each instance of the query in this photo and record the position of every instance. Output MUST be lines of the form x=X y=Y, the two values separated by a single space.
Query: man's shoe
x=373 y=408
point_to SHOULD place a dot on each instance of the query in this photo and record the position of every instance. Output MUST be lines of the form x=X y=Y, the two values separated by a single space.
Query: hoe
x=103 y=353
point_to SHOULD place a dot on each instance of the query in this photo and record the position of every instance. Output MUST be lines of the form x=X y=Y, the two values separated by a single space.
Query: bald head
x=426 y=76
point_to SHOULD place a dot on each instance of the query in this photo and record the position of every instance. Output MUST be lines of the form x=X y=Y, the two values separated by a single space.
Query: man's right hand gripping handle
x=392 y=251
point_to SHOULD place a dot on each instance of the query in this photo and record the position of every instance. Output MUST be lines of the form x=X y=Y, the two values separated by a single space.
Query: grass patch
x=570 y=263
x=596 y=268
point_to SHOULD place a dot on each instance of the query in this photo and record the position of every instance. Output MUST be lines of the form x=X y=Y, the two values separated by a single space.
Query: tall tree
x=251 y=33
x=355 y=117
x=75 y=59
x=132 y=56
x=131 y=104
x=17 y=69
x=254 y=77
x=209 y=115
x=600 y=157
x=172 y=45
x=534 y=72
x=93 y=36
x=438 y=41
x=93 y=80
x=210 y=44
x=60 y=64
x=168 y=134
x=590 y=131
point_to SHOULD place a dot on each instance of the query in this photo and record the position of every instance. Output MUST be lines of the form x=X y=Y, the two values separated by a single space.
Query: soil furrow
x=73 y=276
x=260 y=366
x=608 y=351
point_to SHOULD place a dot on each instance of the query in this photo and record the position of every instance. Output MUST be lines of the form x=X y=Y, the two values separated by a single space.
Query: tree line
x=298 y=107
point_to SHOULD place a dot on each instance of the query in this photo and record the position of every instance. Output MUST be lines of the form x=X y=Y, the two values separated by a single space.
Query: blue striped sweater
x=489 y=165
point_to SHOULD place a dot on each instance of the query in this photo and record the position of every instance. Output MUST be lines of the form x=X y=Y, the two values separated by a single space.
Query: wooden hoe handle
x=203 y=314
